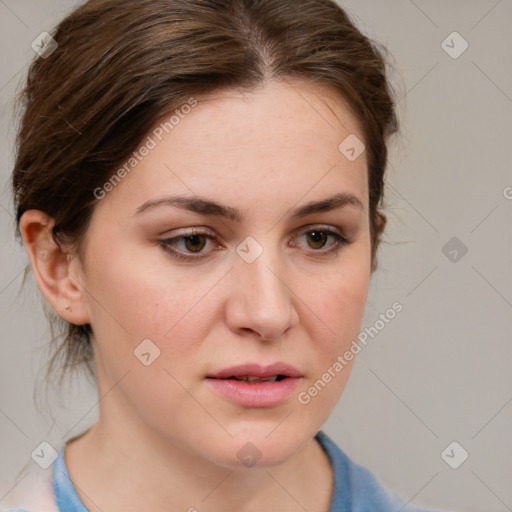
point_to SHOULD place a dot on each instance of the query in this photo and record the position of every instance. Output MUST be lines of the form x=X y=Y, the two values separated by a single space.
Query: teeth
x=247 y=378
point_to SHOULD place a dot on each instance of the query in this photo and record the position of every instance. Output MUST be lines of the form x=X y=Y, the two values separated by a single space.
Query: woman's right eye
x=194 y=241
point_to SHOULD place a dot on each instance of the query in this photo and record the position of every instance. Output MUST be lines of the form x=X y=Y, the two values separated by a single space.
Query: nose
x=261 y=300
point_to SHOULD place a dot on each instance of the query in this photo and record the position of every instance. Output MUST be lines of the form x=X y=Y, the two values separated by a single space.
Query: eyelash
x=340 y=240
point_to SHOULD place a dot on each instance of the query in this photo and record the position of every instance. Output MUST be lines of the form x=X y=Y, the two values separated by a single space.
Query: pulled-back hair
x=121 y=65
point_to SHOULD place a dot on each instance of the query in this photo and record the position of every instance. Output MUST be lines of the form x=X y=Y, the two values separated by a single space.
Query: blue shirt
x=355 y=488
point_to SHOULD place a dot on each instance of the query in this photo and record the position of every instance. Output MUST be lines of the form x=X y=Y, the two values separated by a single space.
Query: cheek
x=339 y=299
x=335 y=313
x=131 y=301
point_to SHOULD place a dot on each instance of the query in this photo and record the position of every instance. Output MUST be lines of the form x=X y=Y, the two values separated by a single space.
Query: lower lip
x=259 y=394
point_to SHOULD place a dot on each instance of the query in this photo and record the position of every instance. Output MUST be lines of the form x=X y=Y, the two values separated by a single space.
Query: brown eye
x=187 y=247
x=194 y=243
x=319 y=238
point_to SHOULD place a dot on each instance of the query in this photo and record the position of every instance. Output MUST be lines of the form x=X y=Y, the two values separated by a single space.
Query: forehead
x=283 y=140
x=279 y=114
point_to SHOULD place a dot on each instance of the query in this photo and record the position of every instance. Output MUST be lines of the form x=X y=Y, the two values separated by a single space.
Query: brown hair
x=121 y=65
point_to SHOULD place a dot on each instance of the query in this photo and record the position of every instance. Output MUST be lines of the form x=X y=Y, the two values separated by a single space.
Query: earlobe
x=51 y=265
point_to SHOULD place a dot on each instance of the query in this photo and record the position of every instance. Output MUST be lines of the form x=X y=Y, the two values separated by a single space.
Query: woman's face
x=260 y=284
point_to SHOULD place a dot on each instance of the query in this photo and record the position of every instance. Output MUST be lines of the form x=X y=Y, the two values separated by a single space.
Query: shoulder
x=357 y=485
x=31 y=492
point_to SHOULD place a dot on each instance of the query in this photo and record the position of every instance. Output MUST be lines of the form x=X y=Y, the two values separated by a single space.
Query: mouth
x=252 y=379
x=250 y=372
x=251 y=385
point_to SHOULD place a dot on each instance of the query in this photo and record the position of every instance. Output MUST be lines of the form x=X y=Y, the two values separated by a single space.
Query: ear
x=57 y=274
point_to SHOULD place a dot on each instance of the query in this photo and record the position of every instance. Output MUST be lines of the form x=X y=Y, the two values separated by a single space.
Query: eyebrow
x=205 y=206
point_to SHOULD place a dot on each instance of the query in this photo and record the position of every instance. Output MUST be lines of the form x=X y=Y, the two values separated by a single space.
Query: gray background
x=440 y=371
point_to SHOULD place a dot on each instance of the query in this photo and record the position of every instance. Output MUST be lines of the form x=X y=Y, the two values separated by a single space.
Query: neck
x=144 y=472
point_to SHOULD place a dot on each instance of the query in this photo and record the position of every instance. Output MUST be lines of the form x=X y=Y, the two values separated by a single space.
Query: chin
x=257 y=449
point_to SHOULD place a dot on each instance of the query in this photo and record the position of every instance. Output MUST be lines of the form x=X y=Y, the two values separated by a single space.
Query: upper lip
x=256 y=370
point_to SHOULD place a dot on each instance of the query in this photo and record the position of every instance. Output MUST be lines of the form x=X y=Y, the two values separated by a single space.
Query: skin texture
x=165 y=440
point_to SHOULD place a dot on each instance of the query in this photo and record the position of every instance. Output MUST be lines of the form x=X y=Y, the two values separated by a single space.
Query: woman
x=197 y=185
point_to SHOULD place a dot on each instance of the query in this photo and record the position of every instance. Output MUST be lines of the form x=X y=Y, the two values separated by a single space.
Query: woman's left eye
x=195 y=241
x=319 y=237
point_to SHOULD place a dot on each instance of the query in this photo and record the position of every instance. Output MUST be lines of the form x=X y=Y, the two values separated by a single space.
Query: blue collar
x=341 y=500
x=65 y=495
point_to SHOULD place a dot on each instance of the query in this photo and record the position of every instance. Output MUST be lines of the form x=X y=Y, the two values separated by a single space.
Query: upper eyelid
x=310 y=227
